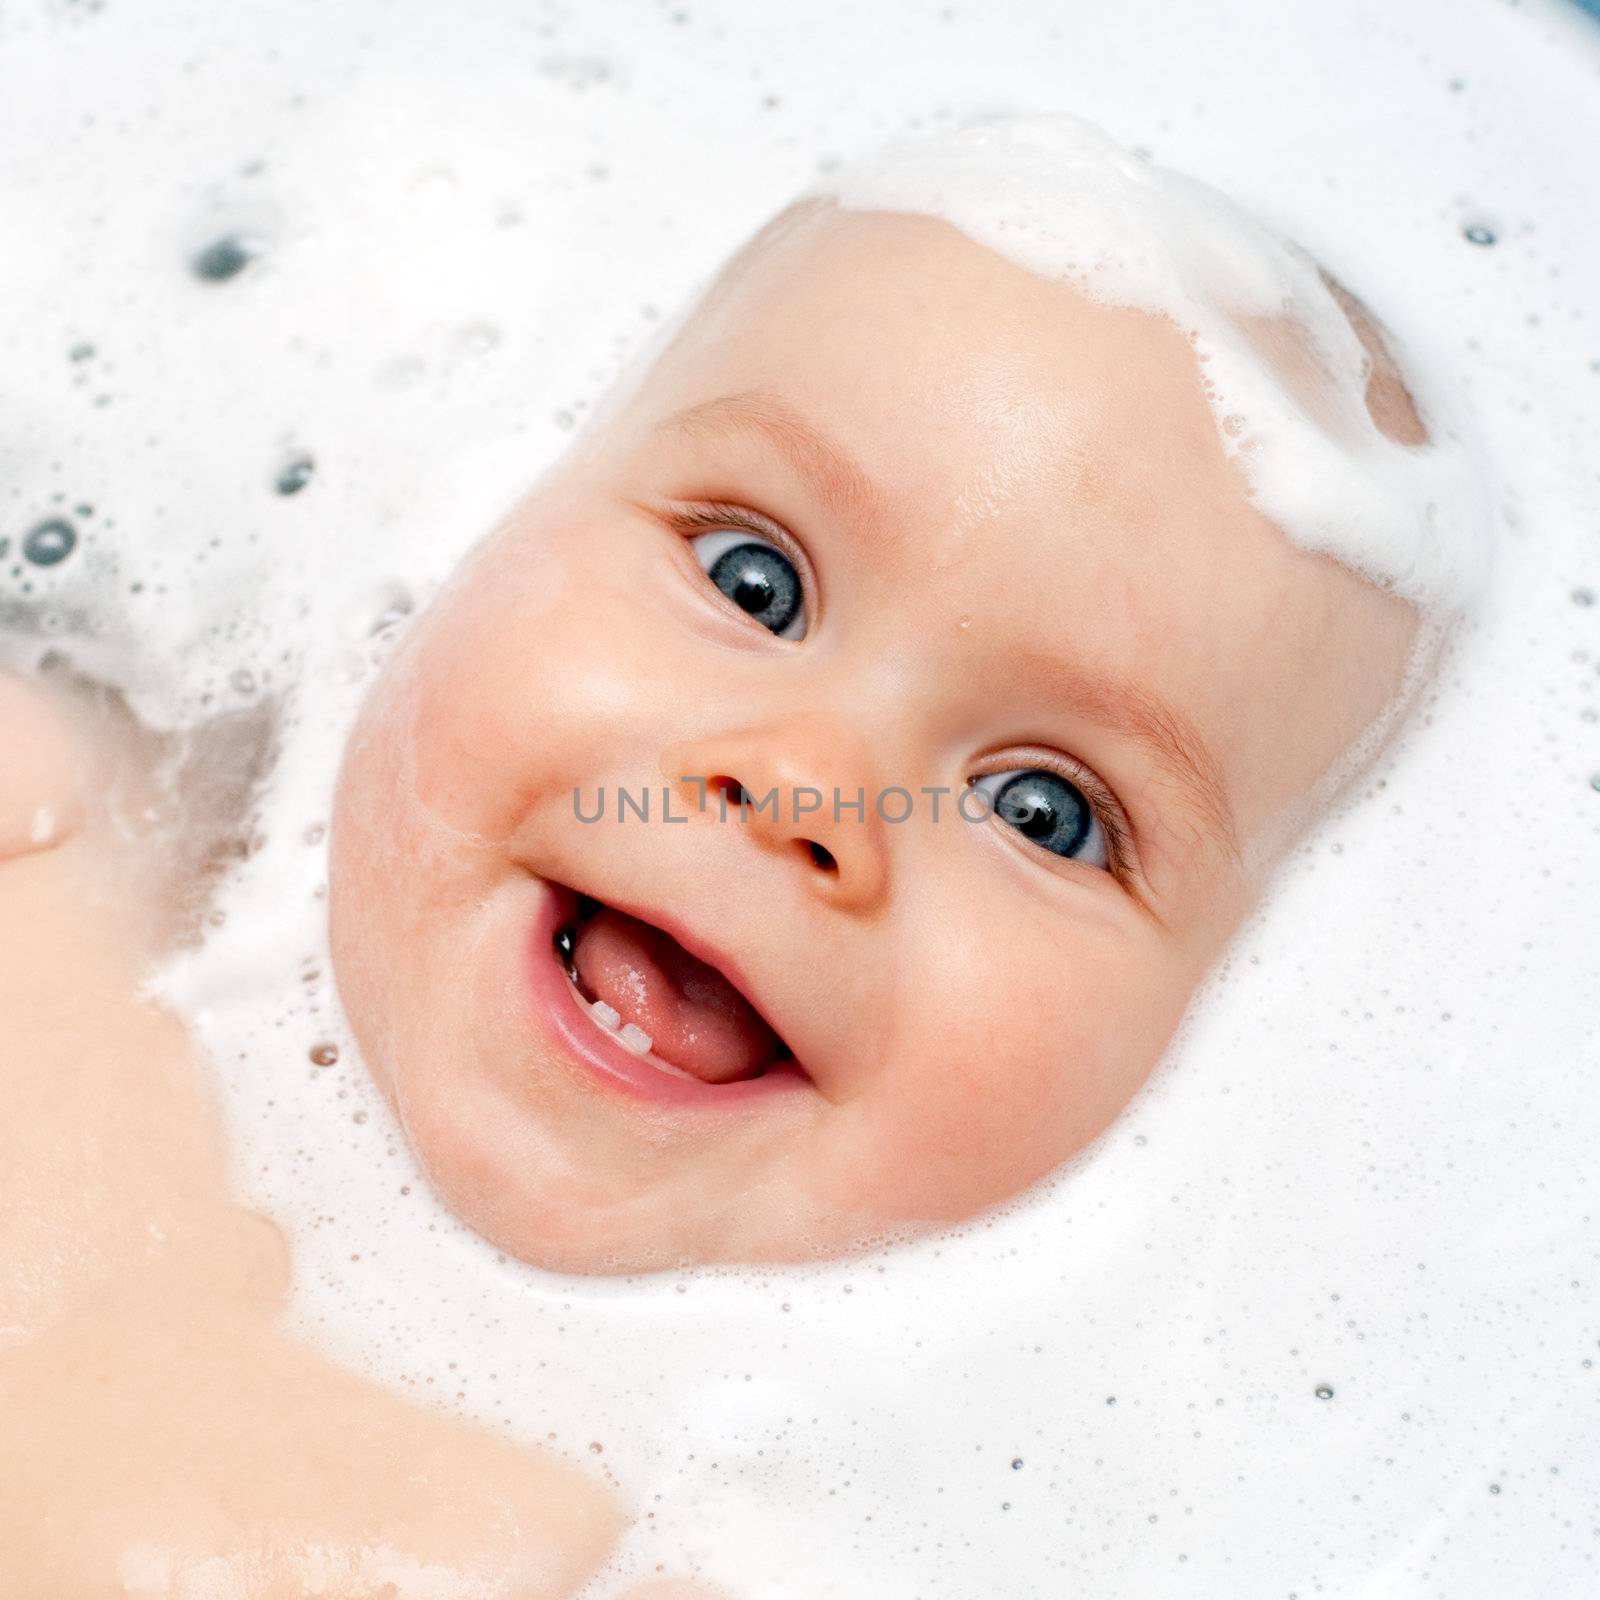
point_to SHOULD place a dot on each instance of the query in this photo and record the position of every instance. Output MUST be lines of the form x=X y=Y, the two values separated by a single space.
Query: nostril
x=823 y=858
x=729 y=789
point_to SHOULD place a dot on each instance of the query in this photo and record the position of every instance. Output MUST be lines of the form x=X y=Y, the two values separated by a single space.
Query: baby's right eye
x=757 y=576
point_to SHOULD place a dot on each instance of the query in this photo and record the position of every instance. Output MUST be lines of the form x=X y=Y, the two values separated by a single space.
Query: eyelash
x=712 y=516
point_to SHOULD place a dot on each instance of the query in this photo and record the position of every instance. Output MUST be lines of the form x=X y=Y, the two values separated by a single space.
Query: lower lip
x=561 y=1011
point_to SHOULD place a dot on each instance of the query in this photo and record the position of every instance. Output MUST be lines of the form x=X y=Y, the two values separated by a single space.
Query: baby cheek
x=1051 y=1048
x=512 y=706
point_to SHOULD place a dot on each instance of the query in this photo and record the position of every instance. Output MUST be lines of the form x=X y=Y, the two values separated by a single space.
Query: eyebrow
x=839 y=483
x=832 y=473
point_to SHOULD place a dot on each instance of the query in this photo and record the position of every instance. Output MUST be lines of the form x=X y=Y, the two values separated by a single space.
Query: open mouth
x=668 y=1006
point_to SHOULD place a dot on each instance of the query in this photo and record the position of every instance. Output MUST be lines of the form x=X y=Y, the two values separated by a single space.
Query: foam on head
x=1320 y=428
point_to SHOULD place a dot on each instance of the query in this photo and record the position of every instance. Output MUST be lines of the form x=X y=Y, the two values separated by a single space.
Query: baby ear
x=45 y=769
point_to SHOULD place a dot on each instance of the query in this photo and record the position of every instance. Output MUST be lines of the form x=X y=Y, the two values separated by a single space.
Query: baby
x=807 y=817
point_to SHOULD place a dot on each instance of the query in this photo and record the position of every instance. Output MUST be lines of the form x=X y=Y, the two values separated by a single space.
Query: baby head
x=806 y=818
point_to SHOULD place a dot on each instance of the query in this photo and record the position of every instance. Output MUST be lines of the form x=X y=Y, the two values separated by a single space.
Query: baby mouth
x=640 y=985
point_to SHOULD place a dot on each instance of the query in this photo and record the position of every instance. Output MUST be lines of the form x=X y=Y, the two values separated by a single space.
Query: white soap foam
x=1318 y=1315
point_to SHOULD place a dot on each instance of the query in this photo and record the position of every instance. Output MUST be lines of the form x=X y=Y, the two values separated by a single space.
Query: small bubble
x=225 y=258
x=324 y=1055
x=1478 y=233
x=595 y=1447
x=243 y=681
x=359 y=1118
x=1583 y=597
x=316 y=833
x=1324 y=1391
x=1016 y=1463
x=294 y=475
x=1594 y=783
x=81 y=352
x=1111 y=1399
x=50 y=542
x=1494 y=1488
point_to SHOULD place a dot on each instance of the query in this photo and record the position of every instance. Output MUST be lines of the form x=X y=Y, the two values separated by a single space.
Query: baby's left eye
x=1044 y=807
x=757 y=576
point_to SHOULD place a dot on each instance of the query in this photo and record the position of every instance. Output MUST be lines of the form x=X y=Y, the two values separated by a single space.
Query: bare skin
x=1022 y=546
x=159 y=1433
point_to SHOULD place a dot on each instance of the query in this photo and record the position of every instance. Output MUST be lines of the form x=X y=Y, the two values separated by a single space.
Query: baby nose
x=802 y=792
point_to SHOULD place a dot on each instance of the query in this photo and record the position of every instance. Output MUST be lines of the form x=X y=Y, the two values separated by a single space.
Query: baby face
x=941 y=567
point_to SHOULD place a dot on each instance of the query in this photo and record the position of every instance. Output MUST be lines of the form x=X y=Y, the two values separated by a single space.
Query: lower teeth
x=628 y=1034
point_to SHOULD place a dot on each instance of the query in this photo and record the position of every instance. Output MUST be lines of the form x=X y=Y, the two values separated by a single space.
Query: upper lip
x=701 y=949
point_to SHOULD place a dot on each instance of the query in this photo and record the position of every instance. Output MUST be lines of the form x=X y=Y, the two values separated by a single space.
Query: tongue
x=696 y=1019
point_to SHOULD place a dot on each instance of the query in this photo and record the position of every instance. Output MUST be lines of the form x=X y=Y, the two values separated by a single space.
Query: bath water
x=296 y=301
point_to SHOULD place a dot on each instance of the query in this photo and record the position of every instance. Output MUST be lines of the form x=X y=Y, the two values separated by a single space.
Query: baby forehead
x=994 y=367
x=926 y=299
x=961 y=380
x=975 y=418
x=901 y=295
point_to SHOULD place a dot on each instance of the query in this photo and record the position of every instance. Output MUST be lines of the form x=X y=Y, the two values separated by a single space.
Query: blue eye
x=758 y=577
x=1045 y=808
